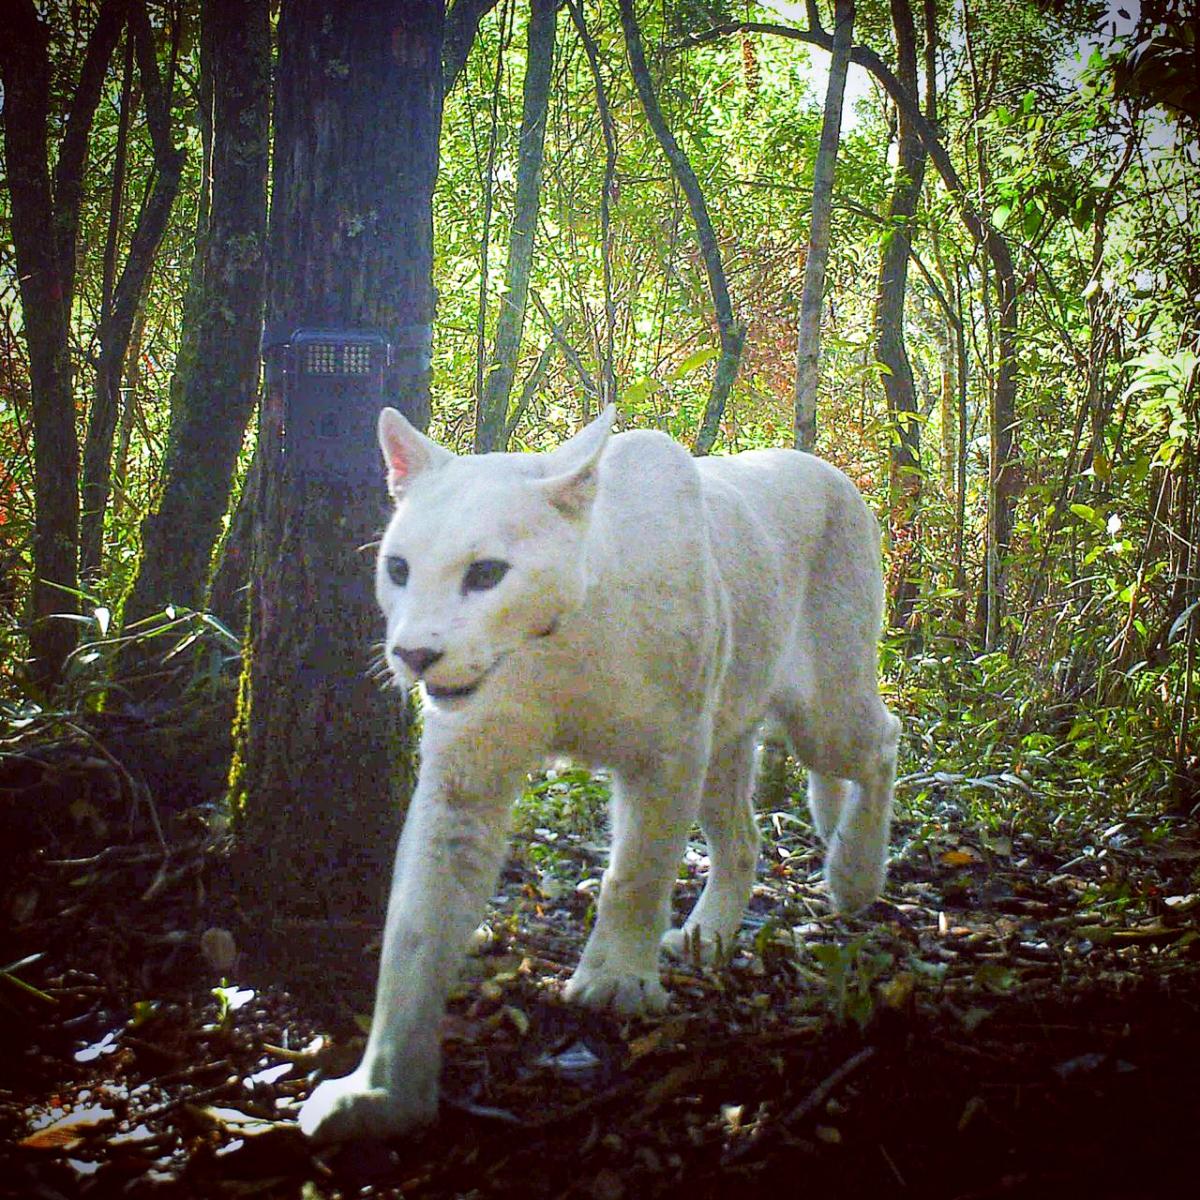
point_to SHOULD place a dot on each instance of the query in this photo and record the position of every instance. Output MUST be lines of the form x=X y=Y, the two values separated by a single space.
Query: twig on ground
x=197 y=1097
x=807 y=1106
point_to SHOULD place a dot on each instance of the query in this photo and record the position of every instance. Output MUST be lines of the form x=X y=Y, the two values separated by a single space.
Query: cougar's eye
x=397 y=569
x=483 y=574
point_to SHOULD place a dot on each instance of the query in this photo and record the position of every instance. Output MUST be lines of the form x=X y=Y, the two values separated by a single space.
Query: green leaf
x=635 y=393
x=693 y=361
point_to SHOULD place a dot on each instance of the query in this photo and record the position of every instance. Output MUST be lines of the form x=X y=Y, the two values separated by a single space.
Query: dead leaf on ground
x=70 y=1130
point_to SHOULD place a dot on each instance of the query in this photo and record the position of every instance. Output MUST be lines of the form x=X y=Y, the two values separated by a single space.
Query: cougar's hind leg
x=856 y=854
x=827 y=792
x=727 y=819
x=827 y=796
x=848 y=741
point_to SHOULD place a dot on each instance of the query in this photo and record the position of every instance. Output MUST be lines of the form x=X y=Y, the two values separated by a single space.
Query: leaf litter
x=1018 y=1016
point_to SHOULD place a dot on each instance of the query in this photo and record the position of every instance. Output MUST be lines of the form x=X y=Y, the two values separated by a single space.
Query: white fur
x=657 y=610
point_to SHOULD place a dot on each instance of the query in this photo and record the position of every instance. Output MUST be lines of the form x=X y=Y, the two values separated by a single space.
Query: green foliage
x=190 y=651
x=177 y=640
x=1088 y=700
x=561 y=809
x=566 y=796
x=1165 y=386
x=229 y=999
x=1011 y=748
x=851 y=972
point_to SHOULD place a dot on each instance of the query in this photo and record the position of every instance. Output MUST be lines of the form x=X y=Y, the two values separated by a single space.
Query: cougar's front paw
x=624 y=992
x=347 y=1109
x=854 y=876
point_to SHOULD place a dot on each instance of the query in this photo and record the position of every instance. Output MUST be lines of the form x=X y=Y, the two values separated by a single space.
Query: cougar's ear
x=574 y=467
x=406 y=452
x=583 y=445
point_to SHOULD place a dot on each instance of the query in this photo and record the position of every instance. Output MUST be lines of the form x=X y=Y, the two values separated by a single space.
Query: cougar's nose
x=418 y=661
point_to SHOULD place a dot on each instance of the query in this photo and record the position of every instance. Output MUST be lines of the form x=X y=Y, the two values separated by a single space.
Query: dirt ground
x=1017 y=1018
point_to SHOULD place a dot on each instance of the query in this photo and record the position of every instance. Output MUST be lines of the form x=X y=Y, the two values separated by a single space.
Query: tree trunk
x=489 y=196
x=129 y=413
x=1002 y=465
x=117 y=201
x=218 y=376
x=492 y=426
x=462 y=24
x=607 y=193
x=904 y=447
x=960 y=494
x=808 y=338
x=946 y=411
x=322 y=761
x=116 y=331
x=226 y=597
x=45 y=223
x=732 y=334
x=1004 y=475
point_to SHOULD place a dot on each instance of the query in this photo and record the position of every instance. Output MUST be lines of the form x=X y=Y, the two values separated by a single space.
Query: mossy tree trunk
x=904 y=448
x=322 y=770
x=816 y=260
x=491 y=432
x=731 y=332
x=226 y=598
x=217 y=375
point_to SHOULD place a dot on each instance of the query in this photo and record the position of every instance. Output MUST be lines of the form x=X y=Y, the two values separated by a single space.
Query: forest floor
x=1019 y=1017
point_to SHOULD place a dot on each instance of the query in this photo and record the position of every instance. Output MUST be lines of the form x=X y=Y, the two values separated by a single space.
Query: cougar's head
x=483 y=554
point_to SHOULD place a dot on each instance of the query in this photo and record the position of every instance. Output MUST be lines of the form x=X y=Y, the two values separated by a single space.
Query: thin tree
x=45 y=226
x=117 y=199
x=116 y=328
x=491 y=430
x=1004 y=477
x=607 y=191
x=488 y=181
x=217 y=372
x=322 y=769
x=891 y=353
x=732 y=333
x=808 y=338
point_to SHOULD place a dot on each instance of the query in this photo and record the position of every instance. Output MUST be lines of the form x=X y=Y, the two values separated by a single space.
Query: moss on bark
x=325 y=763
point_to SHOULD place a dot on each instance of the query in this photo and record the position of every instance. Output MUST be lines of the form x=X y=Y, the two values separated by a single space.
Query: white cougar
x=618 y=601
